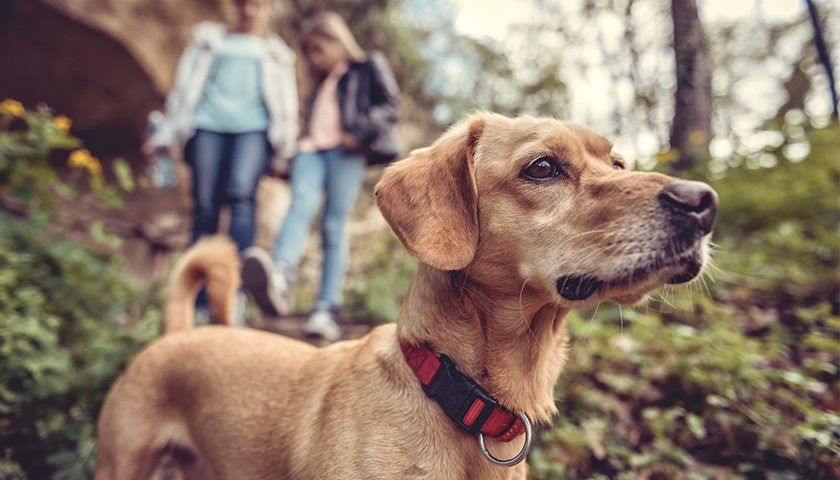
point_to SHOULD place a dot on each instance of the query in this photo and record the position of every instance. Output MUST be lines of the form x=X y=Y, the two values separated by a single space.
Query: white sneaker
x=269 y=287
x=240 y=302
x=322 y=324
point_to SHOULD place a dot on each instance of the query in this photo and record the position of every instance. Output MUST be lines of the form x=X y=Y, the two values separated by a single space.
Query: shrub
x=69 y=322
x=69 y=318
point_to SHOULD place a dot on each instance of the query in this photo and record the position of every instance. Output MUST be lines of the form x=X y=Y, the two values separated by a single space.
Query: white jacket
x=278 y=82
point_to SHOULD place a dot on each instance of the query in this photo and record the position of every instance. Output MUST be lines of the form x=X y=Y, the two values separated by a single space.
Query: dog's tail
x=213 y=261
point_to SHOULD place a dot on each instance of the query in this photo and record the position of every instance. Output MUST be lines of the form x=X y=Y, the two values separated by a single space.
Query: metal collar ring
x=522 y=453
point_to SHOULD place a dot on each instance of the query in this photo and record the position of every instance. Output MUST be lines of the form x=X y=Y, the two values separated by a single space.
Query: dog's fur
x=221 y=403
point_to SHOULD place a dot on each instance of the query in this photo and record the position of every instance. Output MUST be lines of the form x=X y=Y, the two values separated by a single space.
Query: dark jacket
x=368 y=98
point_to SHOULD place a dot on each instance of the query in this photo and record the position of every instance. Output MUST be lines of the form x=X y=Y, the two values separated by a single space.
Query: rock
x=103 y=63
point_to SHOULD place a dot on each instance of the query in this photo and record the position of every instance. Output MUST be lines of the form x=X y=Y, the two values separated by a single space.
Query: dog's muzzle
x=690 y=209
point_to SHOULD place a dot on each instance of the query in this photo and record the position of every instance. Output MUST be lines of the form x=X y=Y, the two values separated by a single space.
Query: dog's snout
x=694 y=199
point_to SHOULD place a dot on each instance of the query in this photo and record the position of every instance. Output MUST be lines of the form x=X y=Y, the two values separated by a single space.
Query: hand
x=349 y=144
x=148 y=149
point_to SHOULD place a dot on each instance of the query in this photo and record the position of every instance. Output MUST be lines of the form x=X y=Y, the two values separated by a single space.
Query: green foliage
x=69 y=318
x=738 y=380
x=385 y=277
x=69 y=322
x=26 y=140
x=779 y=226
x=33 y=144
x=663 y=396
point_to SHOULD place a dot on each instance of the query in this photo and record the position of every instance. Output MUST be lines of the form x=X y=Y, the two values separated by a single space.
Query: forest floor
x=292 y=326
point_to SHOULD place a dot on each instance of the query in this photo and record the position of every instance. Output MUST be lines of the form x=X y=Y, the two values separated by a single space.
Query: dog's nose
x=694 y=199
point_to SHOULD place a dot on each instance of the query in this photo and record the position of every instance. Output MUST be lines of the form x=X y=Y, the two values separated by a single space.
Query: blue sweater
x=233 y=99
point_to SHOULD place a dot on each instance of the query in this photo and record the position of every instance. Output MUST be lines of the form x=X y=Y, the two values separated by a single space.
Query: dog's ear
x=431 y=201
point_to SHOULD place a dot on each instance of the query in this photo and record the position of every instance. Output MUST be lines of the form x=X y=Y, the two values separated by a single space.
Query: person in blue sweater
x=234 y=110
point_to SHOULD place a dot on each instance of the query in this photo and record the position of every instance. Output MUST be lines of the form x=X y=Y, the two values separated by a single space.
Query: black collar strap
x=463 y=400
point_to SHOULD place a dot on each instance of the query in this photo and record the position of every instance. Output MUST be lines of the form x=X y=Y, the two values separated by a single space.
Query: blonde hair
x=330 y=25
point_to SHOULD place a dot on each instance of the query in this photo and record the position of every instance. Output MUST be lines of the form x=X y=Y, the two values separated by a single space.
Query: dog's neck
x=514 y=347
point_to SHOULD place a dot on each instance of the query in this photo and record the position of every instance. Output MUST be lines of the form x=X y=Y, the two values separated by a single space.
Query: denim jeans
x=226 y=170
x=339 y=176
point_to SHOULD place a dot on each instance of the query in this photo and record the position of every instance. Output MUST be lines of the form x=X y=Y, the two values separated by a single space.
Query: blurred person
x=234 y=110
x=350 y=119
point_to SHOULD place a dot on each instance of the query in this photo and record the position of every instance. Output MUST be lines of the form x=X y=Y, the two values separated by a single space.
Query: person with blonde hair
x=349 y=125
x=233 y=107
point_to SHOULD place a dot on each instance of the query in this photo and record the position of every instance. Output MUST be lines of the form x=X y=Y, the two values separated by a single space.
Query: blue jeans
x=226 y=170
x=340 y=176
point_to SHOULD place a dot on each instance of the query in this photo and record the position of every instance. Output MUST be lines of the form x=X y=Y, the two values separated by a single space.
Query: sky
x=491 y=18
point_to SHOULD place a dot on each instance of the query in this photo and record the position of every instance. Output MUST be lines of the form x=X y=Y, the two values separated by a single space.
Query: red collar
x=463 y=400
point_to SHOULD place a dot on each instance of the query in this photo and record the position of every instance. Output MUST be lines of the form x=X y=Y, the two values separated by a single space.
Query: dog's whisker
x=621 y=318
x=704 y=287
x=667 y=291
x=525 y=319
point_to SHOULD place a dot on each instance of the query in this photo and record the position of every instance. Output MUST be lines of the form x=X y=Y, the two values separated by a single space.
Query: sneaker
x=240 y=302
x=269 y=287
x=322 y=323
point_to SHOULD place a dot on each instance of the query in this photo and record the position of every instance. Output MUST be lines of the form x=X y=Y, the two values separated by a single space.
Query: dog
x=515 y=222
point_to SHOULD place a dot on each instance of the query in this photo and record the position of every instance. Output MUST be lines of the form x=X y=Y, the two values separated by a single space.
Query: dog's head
x=546 y=205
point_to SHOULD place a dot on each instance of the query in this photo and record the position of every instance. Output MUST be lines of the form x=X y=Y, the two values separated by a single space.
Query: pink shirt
x=324 y=130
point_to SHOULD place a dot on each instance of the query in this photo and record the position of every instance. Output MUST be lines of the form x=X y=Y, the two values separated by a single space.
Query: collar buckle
x=458 y=395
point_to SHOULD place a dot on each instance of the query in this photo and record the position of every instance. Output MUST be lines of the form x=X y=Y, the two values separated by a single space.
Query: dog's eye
x=617 y=165
x=543 y=168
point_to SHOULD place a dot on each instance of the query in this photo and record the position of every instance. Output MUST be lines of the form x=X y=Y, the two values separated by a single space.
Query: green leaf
x=696 y=426
x=99 y=235
x=96 y=182
x=124 y=175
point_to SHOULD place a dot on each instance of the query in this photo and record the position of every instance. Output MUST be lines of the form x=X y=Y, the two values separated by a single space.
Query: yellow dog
x=515 y=222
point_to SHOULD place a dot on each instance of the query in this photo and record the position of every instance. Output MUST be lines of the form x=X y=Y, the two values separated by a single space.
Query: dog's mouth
x=672 y=271
x=691 y=266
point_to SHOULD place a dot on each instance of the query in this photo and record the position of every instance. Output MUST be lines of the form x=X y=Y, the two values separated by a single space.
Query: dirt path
x=292 y=326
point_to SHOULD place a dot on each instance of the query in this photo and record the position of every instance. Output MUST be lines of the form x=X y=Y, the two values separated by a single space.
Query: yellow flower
x=83 y=159
x=62 y=123
x=11 y=108
x=78 y=158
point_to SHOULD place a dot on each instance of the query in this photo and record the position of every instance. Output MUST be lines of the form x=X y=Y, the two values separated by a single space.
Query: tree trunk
x=691 y=129
x=822 y=51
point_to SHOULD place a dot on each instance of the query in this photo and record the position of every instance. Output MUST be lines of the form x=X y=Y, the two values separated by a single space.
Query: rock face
x=106 y=64
x=103 y=63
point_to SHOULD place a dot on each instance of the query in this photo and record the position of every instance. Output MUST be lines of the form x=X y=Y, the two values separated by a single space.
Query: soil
x=292 y=326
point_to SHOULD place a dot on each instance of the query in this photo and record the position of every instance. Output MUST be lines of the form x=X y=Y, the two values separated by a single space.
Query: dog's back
x=146 y=427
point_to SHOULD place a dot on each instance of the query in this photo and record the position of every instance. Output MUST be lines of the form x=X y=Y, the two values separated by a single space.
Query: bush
x=661 y=397
x=69 y=323
x=70 y=319
x=382 y=281
x=778 y=227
